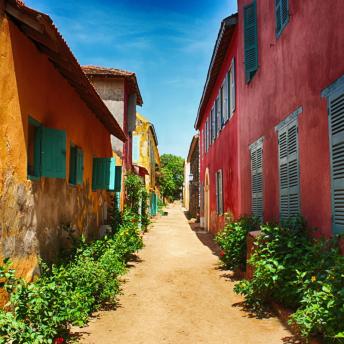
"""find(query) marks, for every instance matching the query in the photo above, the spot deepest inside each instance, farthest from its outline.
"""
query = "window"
(335, 106)
(256, 151)
(209, 135)
(103, 176)
(250, 40)
(289, 169)
(46, 151)
(76, 165)
(282, 15)
(219, 192)
(34, 149)
(136, 148)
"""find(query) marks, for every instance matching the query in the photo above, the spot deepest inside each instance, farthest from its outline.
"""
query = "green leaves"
(232, 240)
(302, 273)
(171, 176)
(67, 293)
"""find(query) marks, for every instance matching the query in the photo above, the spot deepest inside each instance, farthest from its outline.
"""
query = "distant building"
(56, 165)
(120, 92)
(146, 158)
(192, 183)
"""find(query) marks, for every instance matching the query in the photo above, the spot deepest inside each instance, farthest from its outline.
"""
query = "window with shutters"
(103, 175)
(34, 149)
(282, 15)
(256, 151)
(250, 40)
(219, 192)
(289, 170)
(336, 131)
(76, 165)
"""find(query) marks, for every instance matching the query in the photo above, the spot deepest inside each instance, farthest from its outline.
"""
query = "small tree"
(171, 176)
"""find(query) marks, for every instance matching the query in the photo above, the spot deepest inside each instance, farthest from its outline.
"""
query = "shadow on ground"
(206, 238)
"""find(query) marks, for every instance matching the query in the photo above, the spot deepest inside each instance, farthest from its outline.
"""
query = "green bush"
(304, 274)
(232, 241)
(66, 294)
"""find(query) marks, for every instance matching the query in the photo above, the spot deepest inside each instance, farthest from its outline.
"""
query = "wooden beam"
(23, 18)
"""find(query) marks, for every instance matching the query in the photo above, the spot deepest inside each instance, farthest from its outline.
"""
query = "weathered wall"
(149, 154)
(293, 70)
(112, 93)
(223, 153)
(186, 189)
(32, 213)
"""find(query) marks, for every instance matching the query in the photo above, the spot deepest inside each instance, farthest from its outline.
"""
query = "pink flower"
(59, 340)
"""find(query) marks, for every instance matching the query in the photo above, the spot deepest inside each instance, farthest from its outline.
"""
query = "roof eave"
(227, 24)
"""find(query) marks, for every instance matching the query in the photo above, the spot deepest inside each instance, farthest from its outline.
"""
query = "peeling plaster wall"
(33, 213)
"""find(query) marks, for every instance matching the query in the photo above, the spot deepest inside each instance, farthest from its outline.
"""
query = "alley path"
(177, 295)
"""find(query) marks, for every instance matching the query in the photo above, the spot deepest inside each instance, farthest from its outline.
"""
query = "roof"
(95, 71)
(223, 41)
(151, 127)
(193, 144)
(40, 29)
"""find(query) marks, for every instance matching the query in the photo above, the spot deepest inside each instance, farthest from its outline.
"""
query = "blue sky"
(168, 44)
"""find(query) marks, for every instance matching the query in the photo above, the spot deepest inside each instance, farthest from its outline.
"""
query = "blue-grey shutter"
(104, 174)
(217, 191)
(53, 149)
(232, 87)
(250, 40)
(289, 171)
(220, 192)
(257, 180)
(213, 119)
(336, 127)
(282, 14)
(218, 114)
(224, 93)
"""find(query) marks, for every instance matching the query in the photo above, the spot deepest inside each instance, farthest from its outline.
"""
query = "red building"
(285, 153)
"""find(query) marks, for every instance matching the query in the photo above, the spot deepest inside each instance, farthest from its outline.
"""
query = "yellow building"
(146, 157)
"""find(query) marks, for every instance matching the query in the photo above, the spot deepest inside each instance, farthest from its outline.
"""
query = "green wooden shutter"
(250, 40)
(336, 127)
(38, 152)
(103, 177)
(289, 171)
(53, 158)
(257, 180)
(72, 164)
(118, 180)
(79, 166)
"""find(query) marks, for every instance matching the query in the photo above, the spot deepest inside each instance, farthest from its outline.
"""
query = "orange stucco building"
(56, 170)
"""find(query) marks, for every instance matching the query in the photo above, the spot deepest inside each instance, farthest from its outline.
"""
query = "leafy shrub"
(232, 241)
(302, 273)
(67, 293)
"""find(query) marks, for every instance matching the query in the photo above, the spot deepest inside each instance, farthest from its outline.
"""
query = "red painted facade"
(293, 70)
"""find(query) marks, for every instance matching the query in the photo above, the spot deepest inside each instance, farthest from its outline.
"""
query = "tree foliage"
(171, 176)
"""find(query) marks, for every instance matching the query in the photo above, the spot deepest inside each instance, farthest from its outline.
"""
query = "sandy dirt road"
(177, 294)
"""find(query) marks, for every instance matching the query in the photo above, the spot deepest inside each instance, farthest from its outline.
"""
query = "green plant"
(66, 293)
(304, 274)
(232, 241)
